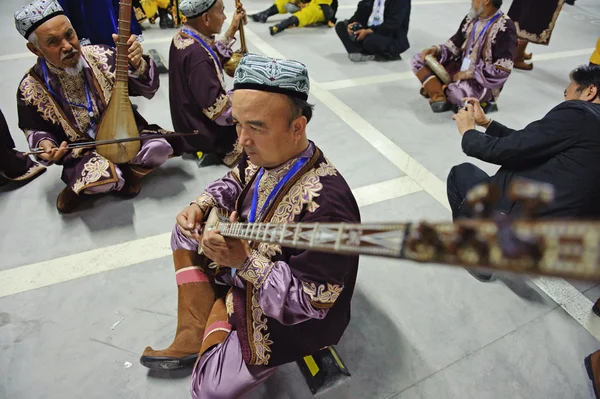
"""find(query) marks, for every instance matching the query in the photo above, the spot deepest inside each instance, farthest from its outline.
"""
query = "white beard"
(75, 70)
(473, 13)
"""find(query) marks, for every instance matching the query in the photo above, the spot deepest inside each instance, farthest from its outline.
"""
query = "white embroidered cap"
(195, 8)
(30, 17)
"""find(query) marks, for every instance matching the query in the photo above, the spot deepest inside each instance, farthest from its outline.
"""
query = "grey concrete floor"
(418, 331)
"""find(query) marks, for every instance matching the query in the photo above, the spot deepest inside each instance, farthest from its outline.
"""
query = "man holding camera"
(478, 58)
(377, 31)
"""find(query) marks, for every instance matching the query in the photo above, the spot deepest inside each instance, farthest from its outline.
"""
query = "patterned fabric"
(257, 72)
(535, 19)
(195, 8)
(28, 18)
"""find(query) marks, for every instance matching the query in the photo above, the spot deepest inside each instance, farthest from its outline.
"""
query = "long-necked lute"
(232, 63)
(118, 121)
(561, 248)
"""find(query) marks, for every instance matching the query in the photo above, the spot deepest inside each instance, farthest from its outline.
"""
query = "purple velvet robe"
(491, 58)
(42, 116)
(286, 303)
(198, 96)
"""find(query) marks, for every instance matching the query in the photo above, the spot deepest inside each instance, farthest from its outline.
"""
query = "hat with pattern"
(195, 8)
(257, 72)
(30, 17)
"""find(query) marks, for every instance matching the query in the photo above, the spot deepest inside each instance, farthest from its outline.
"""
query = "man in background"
(377, 30)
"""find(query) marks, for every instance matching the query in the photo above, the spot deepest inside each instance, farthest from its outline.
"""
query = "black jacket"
(396, 17)
(563, 149)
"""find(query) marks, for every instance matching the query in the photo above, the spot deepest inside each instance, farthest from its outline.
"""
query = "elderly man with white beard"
(62, 99)
(478, 58)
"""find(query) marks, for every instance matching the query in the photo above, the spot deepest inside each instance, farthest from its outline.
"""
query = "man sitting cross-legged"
(279, 304)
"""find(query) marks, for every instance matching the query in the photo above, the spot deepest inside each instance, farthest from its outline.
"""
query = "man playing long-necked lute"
(62, 99)
(245, 308)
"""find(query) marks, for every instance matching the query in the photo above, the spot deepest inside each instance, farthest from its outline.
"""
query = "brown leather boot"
(432, 87)
(67, 200)
(520, 57)
(133, 175)
(195, 300)
(592, 366)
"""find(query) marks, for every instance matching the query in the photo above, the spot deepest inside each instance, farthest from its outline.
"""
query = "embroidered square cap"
(28, 18)
(257, 72)
(195, 8)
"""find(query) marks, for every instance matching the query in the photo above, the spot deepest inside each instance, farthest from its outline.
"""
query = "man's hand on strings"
(189, 222)
(239, 18)
(135, 50)
(465, 119)
(225, 251)
(51, 152)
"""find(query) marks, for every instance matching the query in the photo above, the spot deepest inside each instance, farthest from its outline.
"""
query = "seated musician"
(562, 149)
(304, 13)
(377, 30)
(62, 99)
(197, 92)
(15, 165)
(279, 304)
(478, 58)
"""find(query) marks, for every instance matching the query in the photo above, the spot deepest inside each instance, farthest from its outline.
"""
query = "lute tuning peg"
(481, 198)
(531, 195)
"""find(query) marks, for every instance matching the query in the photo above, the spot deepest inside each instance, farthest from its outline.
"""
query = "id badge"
(466, 64)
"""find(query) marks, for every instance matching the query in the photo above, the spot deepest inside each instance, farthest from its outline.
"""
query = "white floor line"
(71, 267)
(366, 81)
(574, 303)
(386, 190)
(563, 54)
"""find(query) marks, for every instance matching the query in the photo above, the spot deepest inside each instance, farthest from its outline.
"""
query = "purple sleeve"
(223, 49)
(222, 193)
(493, 75)
(281, 294)
(144, 81)
(452, 48)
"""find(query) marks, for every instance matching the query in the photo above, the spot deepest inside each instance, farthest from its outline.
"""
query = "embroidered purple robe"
(535, 19)
(491, 58)
(287, 303)
(42, 116)
(198, 97)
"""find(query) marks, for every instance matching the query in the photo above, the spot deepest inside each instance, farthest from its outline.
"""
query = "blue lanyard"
(485, 28)
(297, 166)
(206, 46)
(89, 106)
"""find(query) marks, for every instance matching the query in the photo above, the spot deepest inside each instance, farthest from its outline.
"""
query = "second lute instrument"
(118, 121)
(231, 64)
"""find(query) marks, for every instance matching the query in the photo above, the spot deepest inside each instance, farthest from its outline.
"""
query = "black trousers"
(461, 179)
(373, 44)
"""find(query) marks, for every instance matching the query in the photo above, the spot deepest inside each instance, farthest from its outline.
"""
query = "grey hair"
(33, 39)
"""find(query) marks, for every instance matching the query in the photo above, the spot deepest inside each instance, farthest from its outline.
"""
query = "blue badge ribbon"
(89, 106)
(206, 46)
(485, 28)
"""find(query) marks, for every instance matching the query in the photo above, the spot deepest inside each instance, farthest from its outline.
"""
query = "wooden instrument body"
(118, 121)
(438, 69)
(232, 63)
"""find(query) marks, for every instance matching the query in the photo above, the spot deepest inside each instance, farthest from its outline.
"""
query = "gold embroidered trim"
(97, 59)
(93, 170)
(256, 269)
(232, 157)
(33, 93)
(322, 296)
(205, 201)
(229, 304)
(73, 89)
(544, 37)
(141, 70)
(182, 43)
(209, 41)
(260, 340)
(214, 111)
